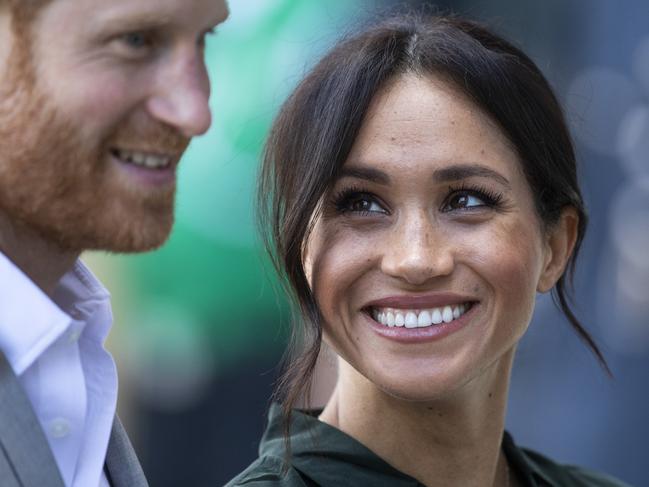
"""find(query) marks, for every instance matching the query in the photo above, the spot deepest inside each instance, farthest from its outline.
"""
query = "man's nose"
(180, 97)
(417, 250)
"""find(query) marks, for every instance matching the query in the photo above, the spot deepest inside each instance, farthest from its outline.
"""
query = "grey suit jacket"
(25, 457)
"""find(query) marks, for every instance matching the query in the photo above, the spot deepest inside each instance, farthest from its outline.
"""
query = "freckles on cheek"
(509, 260)
(338, 262)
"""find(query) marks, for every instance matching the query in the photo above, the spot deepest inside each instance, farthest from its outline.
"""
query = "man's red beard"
(63, 186)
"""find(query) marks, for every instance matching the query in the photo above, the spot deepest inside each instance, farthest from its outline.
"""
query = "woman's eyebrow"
(462, 171)
(448, 174)
(365, 173)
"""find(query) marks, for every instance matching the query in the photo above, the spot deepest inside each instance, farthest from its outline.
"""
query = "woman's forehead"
(420, 120)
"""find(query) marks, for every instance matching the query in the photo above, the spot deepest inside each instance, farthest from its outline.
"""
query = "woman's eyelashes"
(358, 201)
(471, 198)
(464, 198)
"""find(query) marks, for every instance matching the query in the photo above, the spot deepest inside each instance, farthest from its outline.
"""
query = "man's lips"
(146, 159)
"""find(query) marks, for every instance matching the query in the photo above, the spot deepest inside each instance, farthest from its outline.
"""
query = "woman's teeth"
(419, 318)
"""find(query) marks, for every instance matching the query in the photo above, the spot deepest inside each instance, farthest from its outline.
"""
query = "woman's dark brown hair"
(316, 127)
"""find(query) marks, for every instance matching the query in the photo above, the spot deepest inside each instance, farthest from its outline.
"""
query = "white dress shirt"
(55, 347)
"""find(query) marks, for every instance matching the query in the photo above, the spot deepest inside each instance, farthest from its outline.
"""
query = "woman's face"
(428, 253)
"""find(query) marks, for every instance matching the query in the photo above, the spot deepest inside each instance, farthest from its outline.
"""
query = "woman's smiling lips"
(416, 318)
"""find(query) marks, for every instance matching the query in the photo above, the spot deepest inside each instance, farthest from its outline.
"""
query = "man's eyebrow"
(151, 20)
(365, 173)
(138, 21)
(458, 172)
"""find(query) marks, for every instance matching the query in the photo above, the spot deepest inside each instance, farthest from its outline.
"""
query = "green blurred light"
(212, 267)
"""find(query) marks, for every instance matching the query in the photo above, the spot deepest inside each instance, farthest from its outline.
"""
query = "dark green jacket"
(326, 457)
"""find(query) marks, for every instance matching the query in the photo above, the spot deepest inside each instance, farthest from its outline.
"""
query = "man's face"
(98, 101)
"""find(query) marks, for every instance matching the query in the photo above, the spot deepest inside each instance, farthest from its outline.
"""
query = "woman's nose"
(417, 250)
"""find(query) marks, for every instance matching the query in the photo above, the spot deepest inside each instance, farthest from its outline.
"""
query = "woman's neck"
(455, 440)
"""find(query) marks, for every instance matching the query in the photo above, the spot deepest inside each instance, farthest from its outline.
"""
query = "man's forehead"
(199, 13)
(24, 10)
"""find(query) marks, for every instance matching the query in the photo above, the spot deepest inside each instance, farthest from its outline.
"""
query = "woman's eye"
(359, 203)
(365, 205)
(461, 201)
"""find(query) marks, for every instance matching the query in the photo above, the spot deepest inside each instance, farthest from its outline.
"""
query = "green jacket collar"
(324, 453)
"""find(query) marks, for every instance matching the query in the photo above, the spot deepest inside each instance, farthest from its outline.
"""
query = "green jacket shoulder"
(267, 471)
(568, 475)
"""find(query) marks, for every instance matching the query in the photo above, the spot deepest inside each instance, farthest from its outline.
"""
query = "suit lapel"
(21, 437)
(24, 446)
(122, 465)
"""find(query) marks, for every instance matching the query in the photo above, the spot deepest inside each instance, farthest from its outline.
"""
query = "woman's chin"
(421, 388)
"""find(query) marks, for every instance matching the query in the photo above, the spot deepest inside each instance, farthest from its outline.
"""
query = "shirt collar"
(30, 321)
(84, 299)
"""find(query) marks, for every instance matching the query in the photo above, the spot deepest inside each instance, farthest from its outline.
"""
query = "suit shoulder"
(268, 471)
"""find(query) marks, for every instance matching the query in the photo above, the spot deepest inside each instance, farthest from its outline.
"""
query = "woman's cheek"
(338, 258)
(508, 259)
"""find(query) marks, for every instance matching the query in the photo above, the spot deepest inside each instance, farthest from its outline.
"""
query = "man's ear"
(560, 241)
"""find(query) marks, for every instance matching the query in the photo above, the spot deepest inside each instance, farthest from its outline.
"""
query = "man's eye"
(137, 40)
(135, 45)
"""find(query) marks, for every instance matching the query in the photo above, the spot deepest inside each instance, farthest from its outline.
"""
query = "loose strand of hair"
(559, 293)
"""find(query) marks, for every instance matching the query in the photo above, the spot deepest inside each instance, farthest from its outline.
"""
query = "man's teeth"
(143, 159)
(419, 318)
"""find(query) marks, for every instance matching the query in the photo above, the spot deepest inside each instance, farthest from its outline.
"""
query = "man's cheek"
(91, 98)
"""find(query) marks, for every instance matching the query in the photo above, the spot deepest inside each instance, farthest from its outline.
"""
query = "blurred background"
(200, 327)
